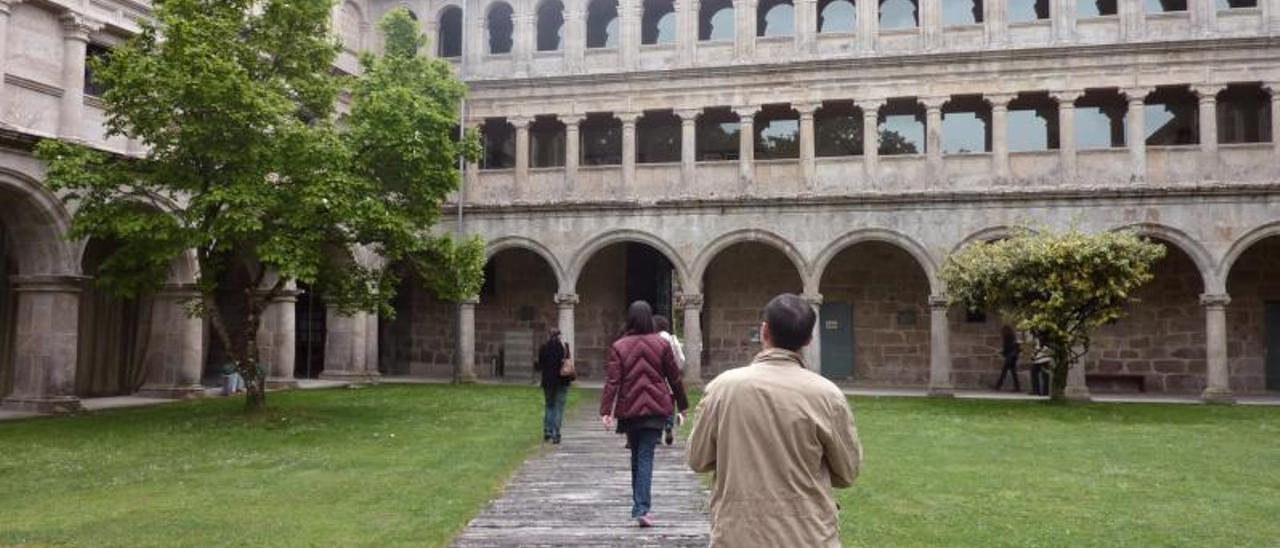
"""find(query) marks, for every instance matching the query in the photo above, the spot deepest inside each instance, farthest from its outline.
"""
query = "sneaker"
(670, 437)
(645, 521)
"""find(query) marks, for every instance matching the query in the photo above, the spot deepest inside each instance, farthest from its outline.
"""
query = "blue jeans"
(554, 416)
(643, 441)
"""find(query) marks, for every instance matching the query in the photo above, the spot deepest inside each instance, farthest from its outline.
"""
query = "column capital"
(814, 299)
(179, 291)
(999, 100)
(1066, 97)
(1136, 93)
(689, 300)
(1207, 92)
(806, 108)
(6, 5)
(48, 283)
(869, 107)
(566, 300)
(571, 119)
(1273, 88)
(629, 117)
(746, 111)
(1215, 300)
(77, 27)
(470, 301)
(687, 114)
(520, 122)
(939, 302)
(934, 102)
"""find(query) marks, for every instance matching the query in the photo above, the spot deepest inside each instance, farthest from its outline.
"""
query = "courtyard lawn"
(388, 465)
(988, 473)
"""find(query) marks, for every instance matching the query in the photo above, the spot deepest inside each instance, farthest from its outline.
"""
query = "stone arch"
(985, 235)
(729, 239)
(352, 13)
(1240, 246)
(38, 223)
(601, 241)
(902, 241)
(520, 242)
(449, 31)
(1199, 255)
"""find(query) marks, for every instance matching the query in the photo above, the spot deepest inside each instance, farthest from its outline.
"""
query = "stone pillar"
(688, 145)
(1208, 110)
(572, 140)
(371, 358)
(744, 30)
(175, 349)
(1136, 132)
(806, 21)
(4, 51)
(575, 37)
(522, 154)
(467, 340)
(45, 345)
(868, 21)
(474, 47)
(995, 24)
(1064, 18)
(344, 346)
(1000, 133)
(933, 134)
(629, 20)
(813, 352)
(931, 19)
(691, 304)
(75, 42)
(523, 41)
(565, 303)
(870, 136)
(684, 38)
(939, 347)
(1204, 16)
(1067, 129)
(746, 144)
(1133, 19)
(1274, 89)
(629, 149)
(1218, 387)
(277, 339)
(1077, 388)
(807, 161)
(1271, 21)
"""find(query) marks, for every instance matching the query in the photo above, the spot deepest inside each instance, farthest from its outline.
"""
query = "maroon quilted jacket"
(640, 369)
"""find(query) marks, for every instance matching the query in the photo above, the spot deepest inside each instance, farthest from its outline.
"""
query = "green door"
(836, 325)
(1273, 346)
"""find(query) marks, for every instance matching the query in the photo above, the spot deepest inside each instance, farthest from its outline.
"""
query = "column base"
(282, 383)
(1077, 393)
(942, 392)
(467, 378)
(54, 405)
(358, 377)
(1218, 396)
(170, 392)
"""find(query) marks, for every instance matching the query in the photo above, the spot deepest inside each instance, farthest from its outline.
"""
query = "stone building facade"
(708, 154)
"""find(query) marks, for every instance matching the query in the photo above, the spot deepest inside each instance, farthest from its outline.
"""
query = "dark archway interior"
(8, 309)
(613, 278)
(1253, 318)
(310, 327)
(114, 334)
(737, 284)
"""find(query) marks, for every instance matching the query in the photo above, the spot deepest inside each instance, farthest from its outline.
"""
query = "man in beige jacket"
(778, 438)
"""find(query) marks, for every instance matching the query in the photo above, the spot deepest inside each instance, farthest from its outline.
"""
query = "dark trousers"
(1039, 380)
(554, 415)
(642, 442)
(1010, 368)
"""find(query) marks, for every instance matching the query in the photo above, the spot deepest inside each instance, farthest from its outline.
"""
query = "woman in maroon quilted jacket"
(636, 397)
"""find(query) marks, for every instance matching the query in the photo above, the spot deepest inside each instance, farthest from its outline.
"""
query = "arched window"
(350, 23)
(777, 129)
(500, 28)
(499, 139)
(602, 24)
(550, 25)
(837, 16)
(775, 18)
(658, 25)
(658, 137)
(715, 20)
(899, 14)
(449, 37)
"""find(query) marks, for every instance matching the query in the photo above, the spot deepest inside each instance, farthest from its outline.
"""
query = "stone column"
(1274, 89)
(522, 153)
(45, 345)
(371, 340)
(75, 42)
(572, 139)
(565, 303)
(1271, 21)
(1000, 133)
(575, 34)
(629, 20)
(524, 41)
(870, 136)
(1204, 16)
(931, 19)
(813, 352)
(744, 30)
(473, 43)
(1218, 387)
(175, 349)
(807, 153)
(933, 134)
(806, 21)
(688, 145)
(691, 304)
(1133, 19)
(1136, 132)
(277, 339)
(995, 23)
(4, 42)
(467, 340)
(1064, 21)
(1077, 389)
(1067, 129)
(939, 347)
(868, 26)
(746, 144)
(344, 346)
(1208, 110)
(629, 149)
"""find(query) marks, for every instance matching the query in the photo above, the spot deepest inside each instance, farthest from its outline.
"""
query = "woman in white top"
(664, 331)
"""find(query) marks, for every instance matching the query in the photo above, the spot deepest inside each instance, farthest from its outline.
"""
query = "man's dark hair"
(640, 319)
(661, 323)
(790, 321)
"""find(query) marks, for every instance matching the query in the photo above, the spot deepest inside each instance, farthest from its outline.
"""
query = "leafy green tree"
(248, 165)
(1058, 286)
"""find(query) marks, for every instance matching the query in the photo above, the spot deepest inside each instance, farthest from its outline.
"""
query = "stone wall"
(889, 294)
(736, 286)
(420, 340)
(1253, 281)
(513, 318)
(601, 309)
(975, 349)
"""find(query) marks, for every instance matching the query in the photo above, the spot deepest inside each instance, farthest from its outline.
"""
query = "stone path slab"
(579, 494)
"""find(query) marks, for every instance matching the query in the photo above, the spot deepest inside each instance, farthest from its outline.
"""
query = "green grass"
(391, 465)
(984, 473)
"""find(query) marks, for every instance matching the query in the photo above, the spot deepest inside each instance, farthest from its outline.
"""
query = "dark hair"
(1007, 335)
(640, 319)
(661, 323)
(553, 335)
(790, 320)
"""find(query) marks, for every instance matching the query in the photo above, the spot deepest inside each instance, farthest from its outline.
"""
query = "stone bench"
(1108, 382)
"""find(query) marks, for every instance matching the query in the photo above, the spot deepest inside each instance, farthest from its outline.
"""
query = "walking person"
(1010, 348)
(664, 331)
(552, 358)
(637, 399)
(778, 438)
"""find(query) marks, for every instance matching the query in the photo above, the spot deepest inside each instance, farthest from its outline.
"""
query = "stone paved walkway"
(579, 494)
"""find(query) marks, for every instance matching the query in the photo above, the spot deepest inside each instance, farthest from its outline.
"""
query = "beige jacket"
(778, 438)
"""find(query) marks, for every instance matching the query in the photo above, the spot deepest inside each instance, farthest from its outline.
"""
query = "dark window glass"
(601, 140)
(449, 43)
(1244, 114)
(658, 138)
(499, 138)
(546, 142)
(500, 28)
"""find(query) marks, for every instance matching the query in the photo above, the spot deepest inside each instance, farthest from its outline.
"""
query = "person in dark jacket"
(1009, 349)
(555, 388)
(641, 378)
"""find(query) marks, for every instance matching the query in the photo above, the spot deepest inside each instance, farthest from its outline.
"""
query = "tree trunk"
(255, 397)
(1061, 368)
